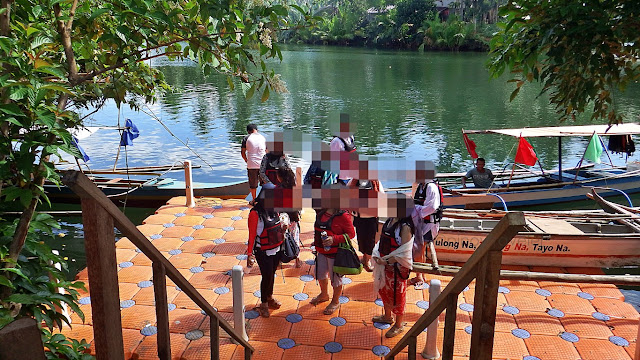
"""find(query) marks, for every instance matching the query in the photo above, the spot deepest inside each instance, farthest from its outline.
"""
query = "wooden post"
(449, 327)
(99, 239)
(162, 311)
(412, 347)
(485, 302)
(214, 337)
(187, 182)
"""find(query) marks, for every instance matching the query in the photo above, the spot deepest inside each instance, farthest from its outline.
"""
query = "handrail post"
(430, 350)
(413, 344)
(214, 337)
(162, 310)
(188, 183)
(238, 301)
(99, 238)
(484, 309)
(450, 327)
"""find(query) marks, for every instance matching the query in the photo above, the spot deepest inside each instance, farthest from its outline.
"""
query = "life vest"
(349, 146)
(421, 195)
(388, 240)
(273, 164)
(272, 234)
(320, 226)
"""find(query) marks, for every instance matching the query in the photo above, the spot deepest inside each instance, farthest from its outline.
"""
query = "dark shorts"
(366, 229)
(254, 175)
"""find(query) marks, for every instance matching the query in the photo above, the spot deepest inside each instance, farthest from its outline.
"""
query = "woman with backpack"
(393, 263)
(266, 235)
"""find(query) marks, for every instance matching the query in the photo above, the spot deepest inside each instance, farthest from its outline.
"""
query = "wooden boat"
(151, 193)
(550, 186)
(568, 239)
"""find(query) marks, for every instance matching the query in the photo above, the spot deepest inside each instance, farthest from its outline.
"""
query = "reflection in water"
(405, 104)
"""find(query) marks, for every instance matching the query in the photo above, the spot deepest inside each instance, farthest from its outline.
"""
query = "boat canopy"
(562, 131)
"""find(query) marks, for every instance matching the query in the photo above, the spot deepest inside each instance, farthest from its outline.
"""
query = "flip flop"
(394, 331)
(331, 308)
(317, 300)
(382, 320)
(416, 282)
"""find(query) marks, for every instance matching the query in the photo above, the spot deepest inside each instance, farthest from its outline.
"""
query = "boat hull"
(534, 249)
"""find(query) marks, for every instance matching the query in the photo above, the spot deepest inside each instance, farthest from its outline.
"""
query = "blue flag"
(130, 132)
(85, 157)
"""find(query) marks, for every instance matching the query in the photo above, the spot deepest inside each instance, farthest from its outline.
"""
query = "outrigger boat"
(563, 238)
(553, 186)
(151, 193)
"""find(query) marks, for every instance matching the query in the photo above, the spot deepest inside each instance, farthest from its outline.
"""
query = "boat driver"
(482, 178)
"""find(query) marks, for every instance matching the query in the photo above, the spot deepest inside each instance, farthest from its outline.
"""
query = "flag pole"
(582, 158)
(606, 151)
(513, 169)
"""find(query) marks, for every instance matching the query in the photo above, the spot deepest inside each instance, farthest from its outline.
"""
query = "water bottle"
(323, 236)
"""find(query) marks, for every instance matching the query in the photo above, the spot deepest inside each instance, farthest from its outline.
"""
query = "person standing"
(428, 200)
(253, 148)
(272, 161)
(365, 220)
(343, 148)
(482, 178)
(266, 235)
(331, 227)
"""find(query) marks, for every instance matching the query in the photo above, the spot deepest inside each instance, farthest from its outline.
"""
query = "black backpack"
(290, 248)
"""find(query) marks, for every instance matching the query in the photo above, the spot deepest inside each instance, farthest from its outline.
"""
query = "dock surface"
(535, 320)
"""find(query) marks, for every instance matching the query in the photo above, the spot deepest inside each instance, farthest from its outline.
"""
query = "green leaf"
(57, 87)
(11, 109)
(265, 94)
(249, 93)
(5, 282)
(24, 299)
(514, 93)
(96, 13)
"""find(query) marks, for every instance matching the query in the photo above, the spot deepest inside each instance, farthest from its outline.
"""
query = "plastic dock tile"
(237, 235)
(358, 336)
(290, 285)
(312, 312)
(551, 348)
(131, 339)
(262, 351)
(538, 323)
(196, 246)
(206, 233)
(269, 329)
(527, 300)
(138, 316)
(148, 348)
(149, 230)
(521, 285)
(602, 290)
(201, 350)
(289, 304)
(218, 223)
(357, 311)
(146, 296)
(182, 301)
(186, 260)
(362, 291)
(354, 354)
(585, 326)
(209, 280)
(627, 328)
(571, 304)
(135, 274)
(615, 307)
(221, 262)
(176, 231)
(185, 320)
(166, 243)
(600, 349)
(189, 220)
(312, 332)
(306, 352)
(159, 219)
(507, 346)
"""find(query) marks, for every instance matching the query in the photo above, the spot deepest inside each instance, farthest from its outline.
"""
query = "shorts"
(254, 176)
(324, 269)
(366, 229)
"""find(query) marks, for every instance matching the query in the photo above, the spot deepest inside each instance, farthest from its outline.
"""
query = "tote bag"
(346, 261)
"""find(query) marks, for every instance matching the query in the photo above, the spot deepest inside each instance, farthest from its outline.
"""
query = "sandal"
(416, 282)
(331, 308)
(394, 331)
(263, 310)
(274, 304)
(317, 300)
(382, 320)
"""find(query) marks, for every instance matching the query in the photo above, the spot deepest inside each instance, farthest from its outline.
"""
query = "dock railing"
(99, 215)
(484, 266)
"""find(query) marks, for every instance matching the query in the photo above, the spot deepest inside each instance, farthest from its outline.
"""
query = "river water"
(405, 104)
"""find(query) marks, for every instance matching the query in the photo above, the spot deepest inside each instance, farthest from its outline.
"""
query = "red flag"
(471, 146)
(525, 154)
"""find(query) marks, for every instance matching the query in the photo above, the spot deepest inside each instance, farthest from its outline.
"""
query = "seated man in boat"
(482, 178)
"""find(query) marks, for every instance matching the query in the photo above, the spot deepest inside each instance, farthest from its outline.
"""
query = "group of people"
(410, 225)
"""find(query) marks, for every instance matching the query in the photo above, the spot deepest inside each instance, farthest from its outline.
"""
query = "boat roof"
(562, 131)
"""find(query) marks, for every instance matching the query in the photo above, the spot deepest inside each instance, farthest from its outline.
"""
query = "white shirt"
(256, 146)
(336, 145)
(431, 204)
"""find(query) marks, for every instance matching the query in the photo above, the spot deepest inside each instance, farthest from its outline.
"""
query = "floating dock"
(535, 320)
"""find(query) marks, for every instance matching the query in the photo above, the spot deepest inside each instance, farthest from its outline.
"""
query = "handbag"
(347, 261)
(290, 248)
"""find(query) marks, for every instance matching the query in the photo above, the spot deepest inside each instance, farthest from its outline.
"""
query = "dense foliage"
(583, 52)
(58, 58)
(464, 25)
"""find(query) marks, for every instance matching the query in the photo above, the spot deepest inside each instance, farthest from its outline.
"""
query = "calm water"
(406, 104)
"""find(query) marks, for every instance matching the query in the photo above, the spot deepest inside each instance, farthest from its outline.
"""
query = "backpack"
(290, 248)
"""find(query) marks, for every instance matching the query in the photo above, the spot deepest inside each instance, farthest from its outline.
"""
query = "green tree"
(582, 52)
(60, 57)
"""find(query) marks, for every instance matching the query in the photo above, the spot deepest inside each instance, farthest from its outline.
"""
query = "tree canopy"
(582, 52)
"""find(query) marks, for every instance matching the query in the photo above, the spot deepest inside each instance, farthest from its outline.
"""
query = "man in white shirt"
(342, 145)
(254, 146)
(428, 198)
